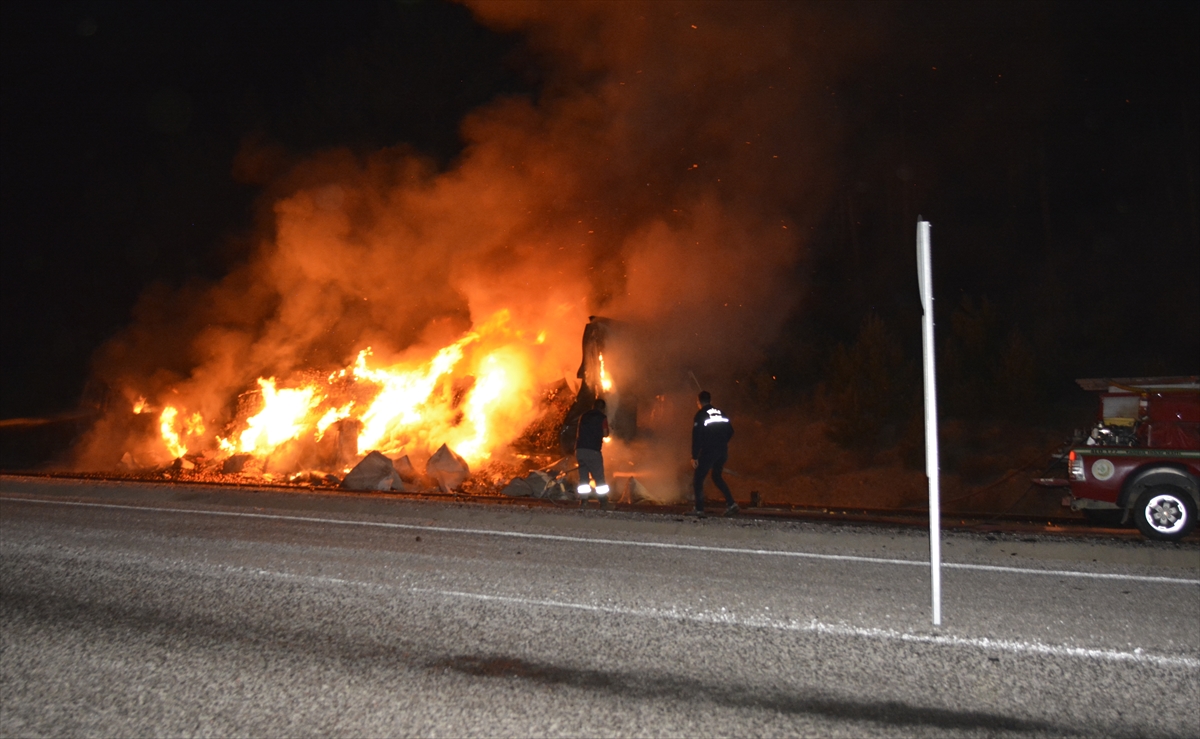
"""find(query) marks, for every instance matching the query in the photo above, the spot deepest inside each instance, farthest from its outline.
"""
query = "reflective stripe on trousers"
(591, 464)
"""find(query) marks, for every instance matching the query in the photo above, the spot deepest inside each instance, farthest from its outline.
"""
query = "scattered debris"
(532, 485)
(542, 436)
(235, 464)
(404, 467)
(449, 469)
(314, 477)
(374, 472)
(636, 492)
(348, 430)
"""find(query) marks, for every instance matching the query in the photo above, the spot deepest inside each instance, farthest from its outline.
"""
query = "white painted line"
(984, 643)
(618, 542)
(814, 626)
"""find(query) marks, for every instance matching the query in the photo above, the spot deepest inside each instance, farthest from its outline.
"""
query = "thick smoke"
(667, 176)
(685, 136)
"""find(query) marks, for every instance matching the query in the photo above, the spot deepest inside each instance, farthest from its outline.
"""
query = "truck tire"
(1165, 513)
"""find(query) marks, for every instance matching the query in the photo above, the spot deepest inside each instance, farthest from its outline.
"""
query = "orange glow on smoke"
(393, 250)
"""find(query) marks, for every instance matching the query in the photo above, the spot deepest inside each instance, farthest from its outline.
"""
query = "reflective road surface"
(136, 609)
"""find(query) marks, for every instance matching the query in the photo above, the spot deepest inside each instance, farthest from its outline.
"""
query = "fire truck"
(1141, 459)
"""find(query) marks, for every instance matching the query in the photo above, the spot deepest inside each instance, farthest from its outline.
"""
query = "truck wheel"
(1165, 513)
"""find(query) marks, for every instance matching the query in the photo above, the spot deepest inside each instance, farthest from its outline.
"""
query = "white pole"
(925, 279)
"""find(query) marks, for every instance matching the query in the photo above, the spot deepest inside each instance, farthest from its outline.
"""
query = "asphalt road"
(132, 610)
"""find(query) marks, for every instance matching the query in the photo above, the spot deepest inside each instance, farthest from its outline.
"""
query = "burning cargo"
(474, 403)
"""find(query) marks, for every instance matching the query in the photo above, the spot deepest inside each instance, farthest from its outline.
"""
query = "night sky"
(1053, 146)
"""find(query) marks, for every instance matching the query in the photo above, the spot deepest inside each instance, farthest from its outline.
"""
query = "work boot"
(695, 514)
(604, 502)
(732, 511)
(583, 502)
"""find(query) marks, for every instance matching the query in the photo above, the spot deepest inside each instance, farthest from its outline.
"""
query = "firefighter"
(711, 432)
(593, 430)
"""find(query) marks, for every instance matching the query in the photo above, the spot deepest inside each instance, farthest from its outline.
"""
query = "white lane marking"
(814, 626)
(618, 542)
(725, 617)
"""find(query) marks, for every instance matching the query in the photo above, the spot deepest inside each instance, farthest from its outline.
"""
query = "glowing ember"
(139, 406)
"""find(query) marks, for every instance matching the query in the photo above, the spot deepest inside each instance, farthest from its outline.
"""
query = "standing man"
(593, 429)
(711, 432)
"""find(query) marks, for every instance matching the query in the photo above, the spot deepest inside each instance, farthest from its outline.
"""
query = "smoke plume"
(667, 175)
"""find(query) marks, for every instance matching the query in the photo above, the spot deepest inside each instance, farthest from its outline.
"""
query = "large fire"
(389, 302)
(475, 395)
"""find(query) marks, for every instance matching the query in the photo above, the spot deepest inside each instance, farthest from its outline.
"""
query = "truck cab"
(1141, 458)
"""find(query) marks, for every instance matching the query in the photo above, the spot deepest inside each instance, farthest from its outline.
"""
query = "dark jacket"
(593, 427)
(711, 431)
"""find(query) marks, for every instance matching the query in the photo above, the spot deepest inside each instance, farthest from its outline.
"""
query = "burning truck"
(1141, 459)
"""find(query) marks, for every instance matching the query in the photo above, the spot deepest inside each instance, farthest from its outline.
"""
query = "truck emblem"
(1102, 469)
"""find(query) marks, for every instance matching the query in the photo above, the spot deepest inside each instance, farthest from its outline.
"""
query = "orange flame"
(474, 394)
(497, 388)
(281, 419)
(332, 416)
(606, 383)
(166, 425)
(401, 402)
(173, 438)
